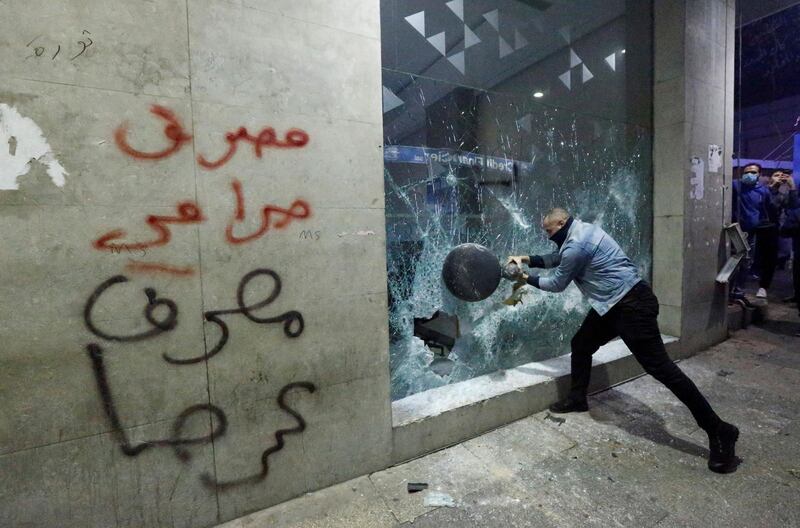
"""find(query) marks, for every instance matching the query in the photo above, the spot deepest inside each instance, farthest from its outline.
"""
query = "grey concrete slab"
(241, 73)
(349, 430)
(90, 482)
(667, 236)
(42, 41)
(500, 504)
(669, 40)
(519, 445)
(354, 16)
(455, 471)
(669, 186)
(354, 503)
(571, 488)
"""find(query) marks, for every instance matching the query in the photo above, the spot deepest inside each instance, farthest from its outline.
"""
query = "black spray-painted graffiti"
(293, 326)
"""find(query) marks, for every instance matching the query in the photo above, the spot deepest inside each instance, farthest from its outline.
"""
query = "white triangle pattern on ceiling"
(457, 7)
(519, 40)
(457, 60)
(587, 75)
(417, 21)
(505, 48)
(438, 42)
(566, 78)
(390, 100)
(470, 38)
(493, 18)
(612, 61)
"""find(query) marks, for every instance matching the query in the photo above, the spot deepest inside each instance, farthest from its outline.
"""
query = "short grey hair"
(556, 214)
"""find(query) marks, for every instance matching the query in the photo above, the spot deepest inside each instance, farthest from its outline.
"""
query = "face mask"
(750, 178)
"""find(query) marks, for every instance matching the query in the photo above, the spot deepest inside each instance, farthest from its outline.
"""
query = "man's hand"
(519, 261)
(513, 272)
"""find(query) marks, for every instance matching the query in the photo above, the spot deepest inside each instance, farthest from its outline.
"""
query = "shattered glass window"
(494, 112)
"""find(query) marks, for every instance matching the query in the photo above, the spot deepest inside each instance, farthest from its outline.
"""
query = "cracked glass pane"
(495, 112)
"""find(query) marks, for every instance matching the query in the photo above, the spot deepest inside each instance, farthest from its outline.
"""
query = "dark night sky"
(770, 58)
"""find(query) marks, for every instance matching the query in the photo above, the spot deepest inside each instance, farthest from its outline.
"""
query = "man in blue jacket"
(751, 208)
(622, 305)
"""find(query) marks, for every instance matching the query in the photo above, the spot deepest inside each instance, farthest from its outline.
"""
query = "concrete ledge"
(440, 417)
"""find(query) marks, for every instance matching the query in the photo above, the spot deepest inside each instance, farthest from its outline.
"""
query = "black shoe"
(569, 405)
(722, 449)
(792, 299)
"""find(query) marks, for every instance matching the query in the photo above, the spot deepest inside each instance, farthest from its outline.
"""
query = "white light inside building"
(538, 95)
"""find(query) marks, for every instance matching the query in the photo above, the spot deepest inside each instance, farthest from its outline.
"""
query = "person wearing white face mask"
(751, 201)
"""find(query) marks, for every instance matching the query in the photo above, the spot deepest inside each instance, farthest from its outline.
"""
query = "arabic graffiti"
(136, 266)
(295, 138)
(96, 354)
(293, 323)
(175, 133)
(293, 326)
(187, 213)
(38, 51)
(211, 482)
(298, 210)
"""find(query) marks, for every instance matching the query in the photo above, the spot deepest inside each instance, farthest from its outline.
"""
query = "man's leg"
(796, 267)
(768, 239)
(595, 332)
(638, 327)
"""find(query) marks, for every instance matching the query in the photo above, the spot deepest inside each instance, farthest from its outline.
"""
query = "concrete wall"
(693, 108)
(128, 438)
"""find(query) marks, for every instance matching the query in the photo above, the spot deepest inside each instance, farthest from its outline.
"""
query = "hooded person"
(622, 305)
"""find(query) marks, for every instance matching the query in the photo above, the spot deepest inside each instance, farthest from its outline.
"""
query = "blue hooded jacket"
(750, 205)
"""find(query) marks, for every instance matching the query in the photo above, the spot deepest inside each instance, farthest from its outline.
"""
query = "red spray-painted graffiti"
(294, 138)
(188, 213)
(174, 131)
(137, 266)
(298, 210)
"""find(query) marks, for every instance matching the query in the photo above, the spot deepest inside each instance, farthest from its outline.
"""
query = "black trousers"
(796, 264)
(634, 320)
(766, 255)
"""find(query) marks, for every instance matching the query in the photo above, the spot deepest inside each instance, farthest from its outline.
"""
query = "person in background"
(782, 195)
(790, 227)
(750, 208)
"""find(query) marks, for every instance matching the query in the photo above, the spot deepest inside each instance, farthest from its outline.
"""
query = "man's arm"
(571, 263)
(545, 261)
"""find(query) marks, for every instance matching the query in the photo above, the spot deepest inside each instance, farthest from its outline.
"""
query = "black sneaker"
(790, 300)
(722, 449)
(569, 405)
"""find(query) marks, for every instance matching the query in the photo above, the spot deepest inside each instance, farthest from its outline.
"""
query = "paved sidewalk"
(635, 459)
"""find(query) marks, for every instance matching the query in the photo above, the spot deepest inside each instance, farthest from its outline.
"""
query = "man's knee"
(581, 346)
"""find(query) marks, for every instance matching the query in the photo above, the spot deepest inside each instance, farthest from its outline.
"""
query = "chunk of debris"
(724, 373)
(414, 487)
(555, 419)
(436, 499)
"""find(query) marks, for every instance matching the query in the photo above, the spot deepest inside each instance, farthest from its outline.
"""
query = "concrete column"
(693, 108)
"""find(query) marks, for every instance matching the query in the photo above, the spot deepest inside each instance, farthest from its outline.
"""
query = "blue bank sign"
(424, 156)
